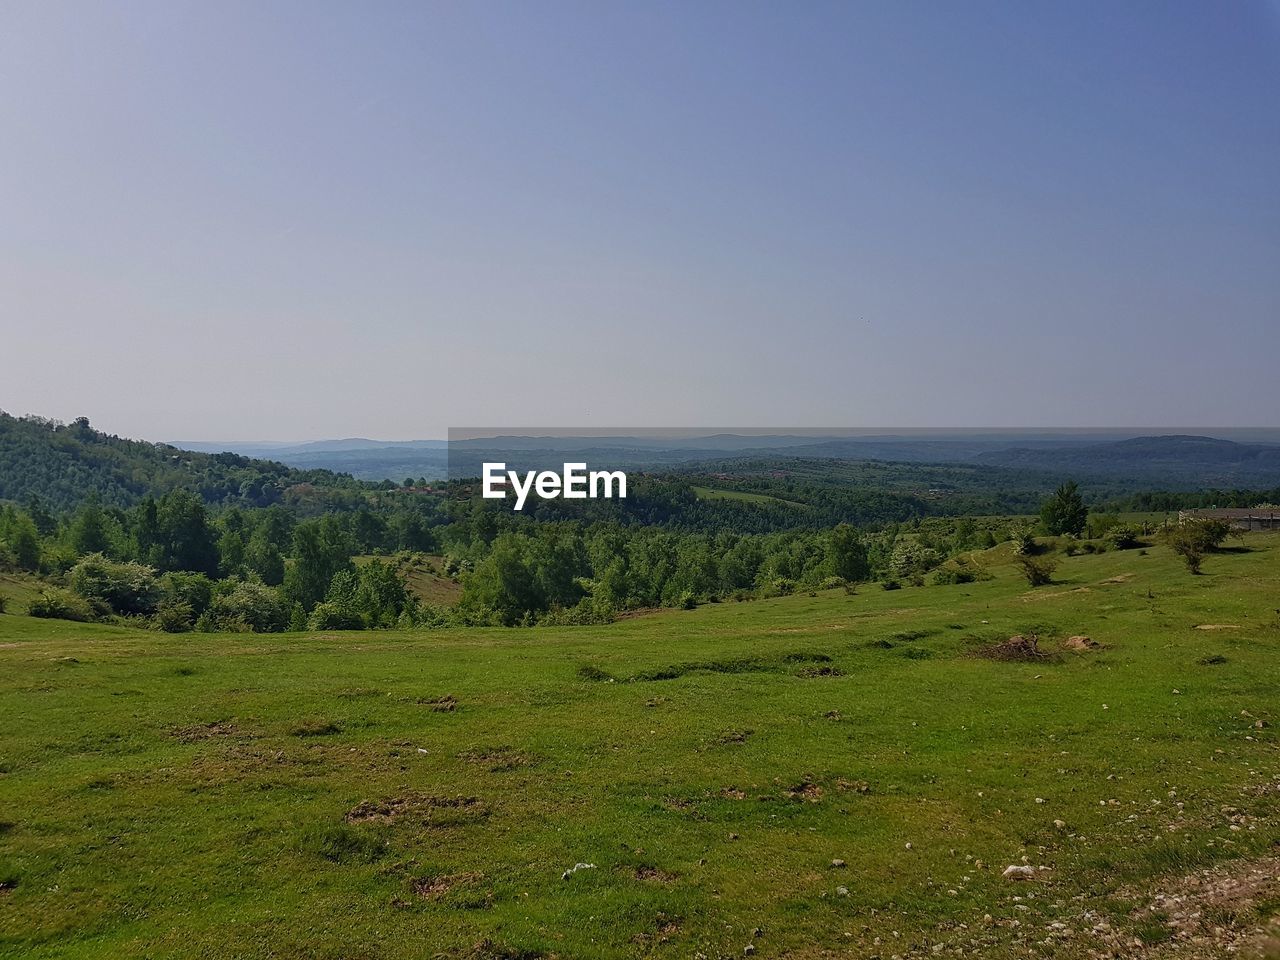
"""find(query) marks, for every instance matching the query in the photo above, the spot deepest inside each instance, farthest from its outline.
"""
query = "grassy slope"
(716, 493)
(132, 832)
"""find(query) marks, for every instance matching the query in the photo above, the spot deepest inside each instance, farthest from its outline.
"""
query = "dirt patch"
(433, 888)
(732, 793)
(1217, 626)
(652, 874)
(1118, 578)
(1217, 911)
(734, 736)
(206, 731)
(825, 670)
(1080, 644)
(852, 786)
(419, 808)
(665, 928)
(1018, 648)
(807, 791)
(1050, 594)
(445, 704)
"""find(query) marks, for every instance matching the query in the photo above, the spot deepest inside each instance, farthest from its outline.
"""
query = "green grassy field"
(388, 795)
(744, 496)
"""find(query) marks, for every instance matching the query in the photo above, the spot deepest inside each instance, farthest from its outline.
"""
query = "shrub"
(1192, 539)
(1037, 570)
(242, 605)
(175, 616)
(891, 585)
(587, 612)
(833, 583)
(127, 588)
(954, 575)
(193, 589)
(334, 615)
(1124, 536)
(1024, 544)
(53, 603)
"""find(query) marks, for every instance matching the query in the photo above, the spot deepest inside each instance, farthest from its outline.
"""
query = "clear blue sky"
(299, 220)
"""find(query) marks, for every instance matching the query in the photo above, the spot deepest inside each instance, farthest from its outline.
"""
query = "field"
(807, 776)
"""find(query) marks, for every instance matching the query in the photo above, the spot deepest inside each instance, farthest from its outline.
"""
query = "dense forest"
(113, 528)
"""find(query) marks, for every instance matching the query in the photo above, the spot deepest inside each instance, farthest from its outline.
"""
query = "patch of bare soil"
(445, 704)
(1080, 644)
(1217, 626)
(664, 928)
(1219, 911)
(205, 731)
(433, 888)
(653, 874)
(806, 790)
(1016, 648)
(1050, 594)
(734, 736)
(826, 670)
(420, 808)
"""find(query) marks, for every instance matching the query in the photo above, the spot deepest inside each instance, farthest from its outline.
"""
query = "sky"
(291, 221)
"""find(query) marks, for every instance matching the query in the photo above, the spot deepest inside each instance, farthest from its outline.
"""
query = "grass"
(746, 496)
(389, 795)
(424, 576)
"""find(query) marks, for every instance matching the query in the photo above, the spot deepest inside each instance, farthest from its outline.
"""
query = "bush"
(891, 585)
(587, 612)
(953, 575)
(242, 605)
(1192, 539)
(55, 604)
(334, 615)
(833, 583)
(193, 589)
(1024, 544)
(175, 616)
(1124, 536)
(1037, 570)
(126, 588)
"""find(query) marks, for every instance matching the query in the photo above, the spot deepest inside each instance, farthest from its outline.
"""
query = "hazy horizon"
(319, 220)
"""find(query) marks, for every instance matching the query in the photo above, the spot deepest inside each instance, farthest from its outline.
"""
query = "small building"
(1240, 518)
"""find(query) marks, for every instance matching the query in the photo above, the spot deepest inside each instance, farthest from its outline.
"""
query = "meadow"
(824, 774)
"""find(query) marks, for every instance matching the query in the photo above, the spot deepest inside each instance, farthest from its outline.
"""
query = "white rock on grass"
(1019, 871)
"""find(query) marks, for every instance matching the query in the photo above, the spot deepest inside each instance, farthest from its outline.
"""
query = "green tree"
(321, 550)
(847, 555)
(1064, 512)
(24, 541)
(90, 530)
(186, 539)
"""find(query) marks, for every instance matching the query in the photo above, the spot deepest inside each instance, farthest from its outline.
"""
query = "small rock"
(733, 836)
(749, 949)
(842, 891)
(1060, 824)
(837, 863)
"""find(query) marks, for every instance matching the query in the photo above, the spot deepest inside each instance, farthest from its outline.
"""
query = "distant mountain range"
(1224, 458)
